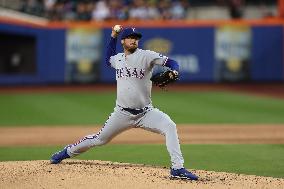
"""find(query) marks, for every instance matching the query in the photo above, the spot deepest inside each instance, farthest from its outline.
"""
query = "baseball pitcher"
(134, 108)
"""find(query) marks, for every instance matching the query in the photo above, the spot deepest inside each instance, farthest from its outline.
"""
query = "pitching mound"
(97, 174)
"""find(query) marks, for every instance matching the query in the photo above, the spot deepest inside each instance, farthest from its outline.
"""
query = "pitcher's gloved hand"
(162, 79)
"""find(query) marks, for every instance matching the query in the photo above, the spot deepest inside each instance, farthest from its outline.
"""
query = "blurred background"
(55, 87)
(215, 41)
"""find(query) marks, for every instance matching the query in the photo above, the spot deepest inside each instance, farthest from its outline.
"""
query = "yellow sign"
(161, 45)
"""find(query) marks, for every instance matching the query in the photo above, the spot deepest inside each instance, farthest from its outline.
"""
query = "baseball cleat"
(59, 156)
(182, 174)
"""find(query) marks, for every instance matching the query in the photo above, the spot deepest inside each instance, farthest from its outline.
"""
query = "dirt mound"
(97, 174)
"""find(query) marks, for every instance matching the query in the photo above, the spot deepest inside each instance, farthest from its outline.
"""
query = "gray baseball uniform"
(134, 106)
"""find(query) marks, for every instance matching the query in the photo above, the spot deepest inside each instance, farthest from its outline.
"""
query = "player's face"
(130, 43)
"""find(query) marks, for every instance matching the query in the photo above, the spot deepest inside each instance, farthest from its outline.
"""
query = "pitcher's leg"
(116, 124)
(159, 122)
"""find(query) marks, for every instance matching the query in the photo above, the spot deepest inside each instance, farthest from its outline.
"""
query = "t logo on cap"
(130, 32)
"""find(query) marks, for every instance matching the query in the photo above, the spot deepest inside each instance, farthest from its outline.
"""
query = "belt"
(135, 111)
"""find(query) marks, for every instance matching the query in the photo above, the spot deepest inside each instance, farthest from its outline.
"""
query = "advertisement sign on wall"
(233, 53)
(192, 48)
(83, 54)
(188, 63)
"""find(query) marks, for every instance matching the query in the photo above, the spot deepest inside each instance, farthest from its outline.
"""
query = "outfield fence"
(207, 51)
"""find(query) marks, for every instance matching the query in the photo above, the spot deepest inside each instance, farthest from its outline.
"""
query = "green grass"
(55, 109)
(263, 160)
(94, 108)
(220, 107)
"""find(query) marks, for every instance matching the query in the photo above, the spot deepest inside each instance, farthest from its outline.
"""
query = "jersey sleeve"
(112, 62)
(156, 58)
(110, 52)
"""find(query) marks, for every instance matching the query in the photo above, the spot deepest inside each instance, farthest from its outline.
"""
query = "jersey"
(133, 73)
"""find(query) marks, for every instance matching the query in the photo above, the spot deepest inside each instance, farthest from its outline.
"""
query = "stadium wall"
(231, 51)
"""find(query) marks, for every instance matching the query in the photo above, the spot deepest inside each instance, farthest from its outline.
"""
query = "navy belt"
(135, 111)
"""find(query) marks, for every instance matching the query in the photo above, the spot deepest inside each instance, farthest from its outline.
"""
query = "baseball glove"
(162, 79)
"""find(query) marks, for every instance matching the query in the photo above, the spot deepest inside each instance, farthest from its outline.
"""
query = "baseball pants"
(152, 120)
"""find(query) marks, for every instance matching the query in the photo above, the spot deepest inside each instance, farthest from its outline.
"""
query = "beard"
(132, 50)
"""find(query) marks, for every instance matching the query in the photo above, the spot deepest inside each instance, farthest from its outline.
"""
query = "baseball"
(117, 28)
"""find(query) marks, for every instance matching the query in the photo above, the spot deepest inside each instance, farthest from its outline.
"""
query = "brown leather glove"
(162, 79)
